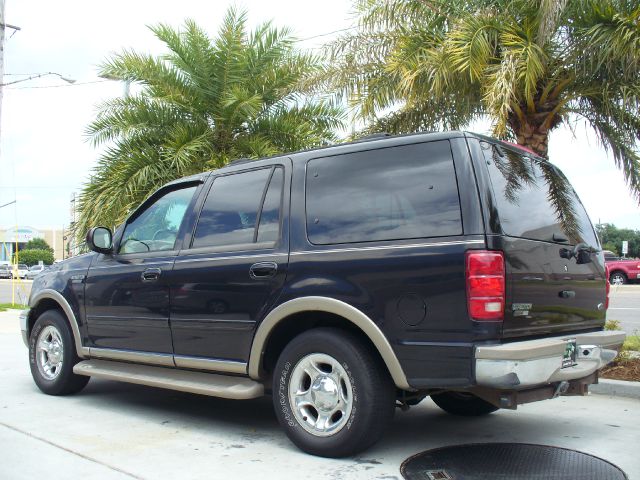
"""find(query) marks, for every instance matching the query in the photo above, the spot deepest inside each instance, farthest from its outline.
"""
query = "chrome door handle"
(567, 294)
(263, 270)
(151, 274)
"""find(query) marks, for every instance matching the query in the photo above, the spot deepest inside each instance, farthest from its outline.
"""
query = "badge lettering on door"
(521, 309)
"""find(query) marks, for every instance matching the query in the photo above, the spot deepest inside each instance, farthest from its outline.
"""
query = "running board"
(215, 385)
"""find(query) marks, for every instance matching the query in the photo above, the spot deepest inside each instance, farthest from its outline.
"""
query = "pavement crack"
(73, 452)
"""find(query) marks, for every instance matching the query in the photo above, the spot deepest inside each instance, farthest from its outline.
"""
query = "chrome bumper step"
(214, 385)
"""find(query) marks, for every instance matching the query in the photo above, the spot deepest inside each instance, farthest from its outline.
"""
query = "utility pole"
(2, 29)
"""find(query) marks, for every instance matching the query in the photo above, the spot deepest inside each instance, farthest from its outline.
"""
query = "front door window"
(156, 228)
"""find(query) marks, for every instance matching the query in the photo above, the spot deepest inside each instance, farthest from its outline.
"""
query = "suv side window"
(232, 213)
(156, 228)
(403, 192)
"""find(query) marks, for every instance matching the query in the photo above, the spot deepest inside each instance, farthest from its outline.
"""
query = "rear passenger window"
(534, 199)
(231, 211)
(392, 193)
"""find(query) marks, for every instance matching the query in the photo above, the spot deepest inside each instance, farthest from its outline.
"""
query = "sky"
(44, 154)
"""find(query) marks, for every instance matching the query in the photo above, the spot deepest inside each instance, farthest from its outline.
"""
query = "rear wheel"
(617, 278)
(331, 394)
(52, 356)
(463, 403)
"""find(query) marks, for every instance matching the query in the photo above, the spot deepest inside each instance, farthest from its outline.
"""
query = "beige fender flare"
(329, 305)
(83, 352)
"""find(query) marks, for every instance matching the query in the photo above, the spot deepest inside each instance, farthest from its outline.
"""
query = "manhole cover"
(507, 461)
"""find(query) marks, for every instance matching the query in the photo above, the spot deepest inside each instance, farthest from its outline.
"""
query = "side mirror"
(100, 239)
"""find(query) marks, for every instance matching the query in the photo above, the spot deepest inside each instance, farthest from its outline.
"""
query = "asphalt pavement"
(120, 431)
(624, 306)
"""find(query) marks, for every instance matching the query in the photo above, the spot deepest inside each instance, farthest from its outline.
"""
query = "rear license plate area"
(570, 351)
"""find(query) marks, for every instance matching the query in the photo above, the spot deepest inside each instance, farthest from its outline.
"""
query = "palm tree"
(528, 65)
(204, 103)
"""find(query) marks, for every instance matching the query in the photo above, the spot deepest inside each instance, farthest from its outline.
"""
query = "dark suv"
(344, 281)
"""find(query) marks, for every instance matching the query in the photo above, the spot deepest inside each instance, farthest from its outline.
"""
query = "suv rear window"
(393, 193)
(534, 199)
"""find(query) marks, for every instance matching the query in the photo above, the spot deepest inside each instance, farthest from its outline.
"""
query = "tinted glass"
(269, 228)
(231, 209)
(392, 193)
(535, 200)
(157, 227)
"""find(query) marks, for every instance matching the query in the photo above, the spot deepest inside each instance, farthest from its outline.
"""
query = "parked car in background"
(623, 271)
(36, 270)
(609, 255)
(5, 271)
(345, 281)
(19, 271)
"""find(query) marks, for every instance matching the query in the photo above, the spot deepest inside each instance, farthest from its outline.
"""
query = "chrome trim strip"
(164, 359)
(198, 363)
(389, 247)
(132, 265)
(329, 305)
(230, 257)
(83, 352)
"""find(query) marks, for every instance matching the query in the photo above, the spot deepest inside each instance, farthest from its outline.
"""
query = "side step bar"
(224, 386)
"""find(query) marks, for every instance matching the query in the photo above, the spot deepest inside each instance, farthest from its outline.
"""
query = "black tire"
(65, 382)
(618, 278)
(463, 404)
(371, 391)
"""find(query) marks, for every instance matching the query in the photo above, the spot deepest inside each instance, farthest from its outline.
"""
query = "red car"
(621, 271)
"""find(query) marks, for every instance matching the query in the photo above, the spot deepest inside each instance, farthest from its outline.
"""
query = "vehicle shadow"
(421, 428)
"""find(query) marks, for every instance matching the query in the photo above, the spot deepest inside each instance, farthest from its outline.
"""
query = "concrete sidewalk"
(115, 431)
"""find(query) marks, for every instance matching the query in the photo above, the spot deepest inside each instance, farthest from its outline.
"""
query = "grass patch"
(631, 344)
(6, 306)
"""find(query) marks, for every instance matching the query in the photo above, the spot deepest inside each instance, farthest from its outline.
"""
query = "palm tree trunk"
(534, 137)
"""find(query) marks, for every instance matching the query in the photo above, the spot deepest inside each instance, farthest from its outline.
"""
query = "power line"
(58, 86)
(328, 33)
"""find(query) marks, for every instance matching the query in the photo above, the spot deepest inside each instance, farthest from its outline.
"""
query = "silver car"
(19, 271)
(5, 271)
(35, 270)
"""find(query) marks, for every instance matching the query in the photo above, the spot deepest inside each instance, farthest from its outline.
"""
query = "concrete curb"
(616, 388)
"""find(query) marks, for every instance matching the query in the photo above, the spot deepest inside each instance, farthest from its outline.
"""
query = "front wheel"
(463, 403)
(617, 278)
(331, 394)
(52, 356)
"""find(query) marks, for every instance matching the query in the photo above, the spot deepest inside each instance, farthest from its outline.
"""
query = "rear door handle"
(567, 294)
(151, 274)
(263, 270)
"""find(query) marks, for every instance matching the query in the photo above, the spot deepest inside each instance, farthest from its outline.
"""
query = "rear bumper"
(529, 363)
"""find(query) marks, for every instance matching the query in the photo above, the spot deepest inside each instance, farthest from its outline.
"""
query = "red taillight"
(606, 274)
(485, 285)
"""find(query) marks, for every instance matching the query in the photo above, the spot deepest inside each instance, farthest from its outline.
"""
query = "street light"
(66, 79)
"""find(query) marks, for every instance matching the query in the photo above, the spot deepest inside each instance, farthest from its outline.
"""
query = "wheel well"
(41, 307)
(617, 271)
(293, 325)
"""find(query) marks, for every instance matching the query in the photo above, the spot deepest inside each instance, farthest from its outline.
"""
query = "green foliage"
(6, 306)
(202, 104)
(611, 238)
(632, 344)
(32, 257)
(529, 65)
(612, 325)
(37, 244)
